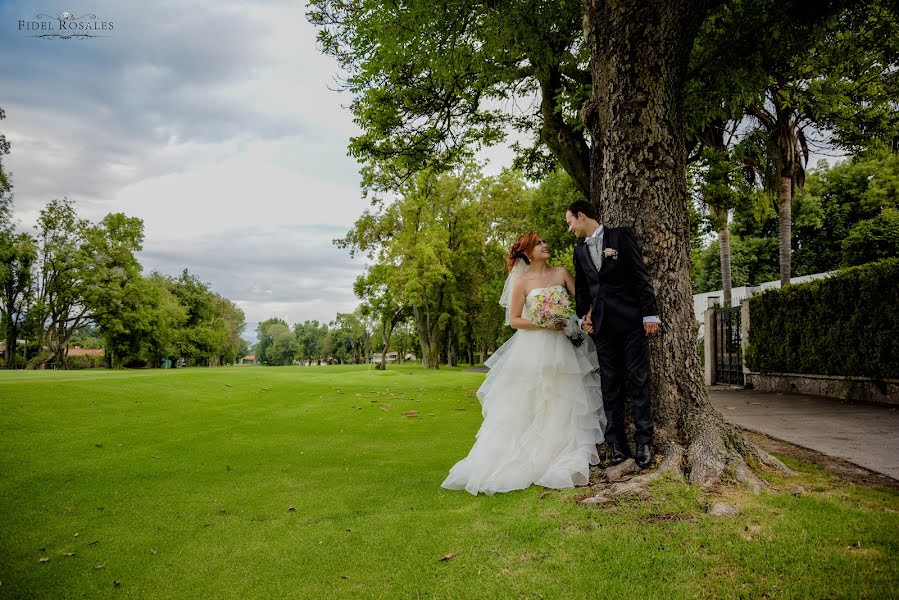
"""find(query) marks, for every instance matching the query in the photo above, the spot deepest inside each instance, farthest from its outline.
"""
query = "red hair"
(522, 247)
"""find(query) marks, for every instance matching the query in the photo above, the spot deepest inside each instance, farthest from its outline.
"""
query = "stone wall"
(862, 389)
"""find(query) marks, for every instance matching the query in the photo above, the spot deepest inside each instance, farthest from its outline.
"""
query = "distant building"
(250, 359)
(89, 352)
(391, 357)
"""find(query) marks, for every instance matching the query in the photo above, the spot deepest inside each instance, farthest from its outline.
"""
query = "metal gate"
(728, 350)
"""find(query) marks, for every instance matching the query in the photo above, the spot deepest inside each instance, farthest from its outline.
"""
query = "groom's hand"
(587, 324)
(651, 328)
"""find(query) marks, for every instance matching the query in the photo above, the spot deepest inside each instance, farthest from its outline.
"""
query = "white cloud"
(214, 124)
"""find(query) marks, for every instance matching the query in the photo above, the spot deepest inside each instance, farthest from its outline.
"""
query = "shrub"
(844, 325)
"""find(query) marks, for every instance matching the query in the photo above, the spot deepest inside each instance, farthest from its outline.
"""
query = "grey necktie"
(593, 245)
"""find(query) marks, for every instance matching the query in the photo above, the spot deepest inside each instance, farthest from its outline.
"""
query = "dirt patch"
(835, 466)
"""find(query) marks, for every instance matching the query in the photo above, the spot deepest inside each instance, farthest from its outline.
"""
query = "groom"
(615, 298)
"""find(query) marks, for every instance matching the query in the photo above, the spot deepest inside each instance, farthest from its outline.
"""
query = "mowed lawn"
(310, 482)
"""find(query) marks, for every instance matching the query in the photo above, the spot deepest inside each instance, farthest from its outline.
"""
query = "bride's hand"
(558, 326)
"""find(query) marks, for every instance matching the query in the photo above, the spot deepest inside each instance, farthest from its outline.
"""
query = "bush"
(845, 325)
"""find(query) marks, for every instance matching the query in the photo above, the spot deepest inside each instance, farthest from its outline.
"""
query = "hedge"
(847, 325)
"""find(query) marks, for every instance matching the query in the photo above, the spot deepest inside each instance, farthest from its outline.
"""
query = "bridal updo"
(522, 248)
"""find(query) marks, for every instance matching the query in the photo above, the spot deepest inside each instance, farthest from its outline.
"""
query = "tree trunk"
(386, 333)
(784, 217)
(427, 335)
(11, 335)
(724, 243)
(639, 54)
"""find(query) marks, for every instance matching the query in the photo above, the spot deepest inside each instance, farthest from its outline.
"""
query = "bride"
(542, 403)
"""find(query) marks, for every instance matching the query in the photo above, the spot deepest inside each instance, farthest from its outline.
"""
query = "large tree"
(17, 255)
(427, 79)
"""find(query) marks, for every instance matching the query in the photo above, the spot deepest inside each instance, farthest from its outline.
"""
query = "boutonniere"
(610, 253)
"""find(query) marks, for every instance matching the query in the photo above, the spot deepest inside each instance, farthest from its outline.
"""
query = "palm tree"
(717, 192)
(778, 159)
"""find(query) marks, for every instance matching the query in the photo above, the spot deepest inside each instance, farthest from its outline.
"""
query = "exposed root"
(770, 461)
(672, 464)
(745, 476)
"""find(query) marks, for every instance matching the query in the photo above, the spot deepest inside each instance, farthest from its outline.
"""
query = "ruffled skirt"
(543, 417)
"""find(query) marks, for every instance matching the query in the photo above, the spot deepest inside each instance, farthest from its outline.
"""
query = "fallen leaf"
(460, 408)
(99, 567)
(756, 403)
(411, 414)
(117, 584)
(222, 510)
(344, 576)
(291, 509)
(228, 385)
(449, 556)
(68, 553)
(99, 508)
(98, 445)
(431, 415)
(157, 457)
(43, 559)
(153, 551)
(384, 408)
(94, 542)
(68, 509)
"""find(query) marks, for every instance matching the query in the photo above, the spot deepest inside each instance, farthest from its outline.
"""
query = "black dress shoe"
(644, 456)
(619, 454)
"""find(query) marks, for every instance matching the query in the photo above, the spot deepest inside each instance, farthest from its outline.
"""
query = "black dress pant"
(624, 365)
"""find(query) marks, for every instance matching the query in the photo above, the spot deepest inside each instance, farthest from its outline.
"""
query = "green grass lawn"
(179, 484)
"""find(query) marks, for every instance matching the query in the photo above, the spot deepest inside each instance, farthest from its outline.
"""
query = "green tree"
(421, 78)
(17, 257)
(839, 76)
(5, 183)
(63, 280)
(873, 239)
(433, 240)
(381, 299)
(265, 338)
(310, 339)
(836, 199)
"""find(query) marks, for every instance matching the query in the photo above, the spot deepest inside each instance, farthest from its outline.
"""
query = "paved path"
(863, 434)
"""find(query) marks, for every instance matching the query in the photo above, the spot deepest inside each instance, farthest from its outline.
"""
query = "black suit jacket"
(620, 292)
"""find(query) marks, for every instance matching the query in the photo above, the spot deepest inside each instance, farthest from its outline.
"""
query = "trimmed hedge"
(844, 325)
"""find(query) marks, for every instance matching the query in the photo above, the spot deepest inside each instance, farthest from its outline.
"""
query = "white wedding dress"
(543, 416)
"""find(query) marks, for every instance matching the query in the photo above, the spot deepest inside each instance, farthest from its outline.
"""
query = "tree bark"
(639, 54)
(11, 334)
(784, 218)
(427, 335)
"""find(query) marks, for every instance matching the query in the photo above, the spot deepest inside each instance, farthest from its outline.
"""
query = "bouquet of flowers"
(551, 306)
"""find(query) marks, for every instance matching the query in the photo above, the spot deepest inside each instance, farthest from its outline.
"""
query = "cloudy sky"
(212, 122)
